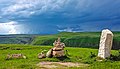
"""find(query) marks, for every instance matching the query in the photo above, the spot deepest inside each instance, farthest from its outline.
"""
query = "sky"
(54, 16)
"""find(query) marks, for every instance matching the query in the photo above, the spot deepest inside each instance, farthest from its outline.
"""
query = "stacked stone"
(58, 50)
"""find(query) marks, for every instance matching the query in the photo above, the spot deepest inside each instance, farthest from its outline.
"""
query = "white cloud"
(9, 28)
(27, 8)
(68, 29)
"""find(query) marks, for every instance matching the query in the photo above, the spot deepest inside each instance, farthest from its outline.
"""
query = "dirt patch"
(52, 65)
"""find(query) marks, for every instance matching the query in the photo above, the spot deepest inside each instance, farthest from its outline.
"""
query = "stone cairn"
(105, 44)
(57, 50)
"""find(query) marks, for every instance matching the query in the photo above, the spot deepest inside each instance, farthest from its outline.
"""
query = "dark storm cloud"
(44, 16)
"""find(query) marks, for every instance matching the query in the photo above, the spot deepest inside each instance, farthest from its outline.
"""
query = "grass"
(80, 55)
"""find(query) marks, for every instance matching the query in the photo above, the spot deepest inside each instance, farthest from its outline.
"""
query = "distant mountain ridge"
(16, 39)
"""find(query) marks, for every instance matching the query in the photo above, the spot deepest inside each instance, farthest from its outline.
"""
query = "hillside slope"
(82, 39)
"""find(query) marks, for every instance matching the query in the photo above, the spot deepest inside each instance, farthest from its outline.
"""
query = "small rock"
(40, 56)
(24, 57)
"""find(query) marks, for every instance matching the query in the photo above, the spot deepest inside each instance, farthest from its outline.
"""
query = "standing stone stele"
(105, 44)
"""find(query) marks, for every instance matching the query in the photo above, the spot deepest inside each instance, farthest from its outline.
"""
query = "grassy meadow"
(80, 55)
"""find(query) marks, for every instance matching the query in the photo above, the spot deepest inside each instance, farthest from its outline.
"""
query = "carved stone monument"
(105, 44)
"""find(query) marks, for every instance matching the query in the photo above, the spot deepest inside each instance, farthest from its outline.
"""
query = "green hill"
(80, 39)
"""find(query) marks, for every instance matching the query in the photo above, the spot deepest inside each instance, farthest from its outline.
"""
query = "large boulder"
(49, 53)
